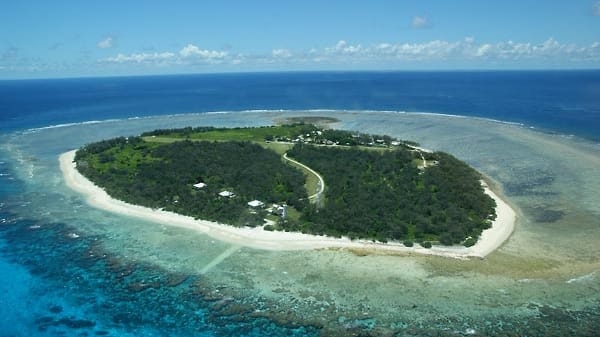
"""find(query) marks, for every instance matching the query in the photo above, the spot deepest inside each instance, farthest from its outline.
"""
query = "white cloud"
(193, 51)
(414, 51)
(189, 54)
(108, 42)
(419, 22)
(281, 53)
(340, 45)
(343, 48)
(548, 49)
(141, 58)
(596, 8)
(466, 51)
(483, 49)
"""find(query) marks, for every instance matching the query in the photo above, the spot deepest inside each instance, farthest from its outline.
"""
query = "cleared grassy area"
(272, 217)
(257, 134)
(418, 162)
(279, 148)
(293, 214)
(153, 139)
(243, 134)
(126, 159)
(380, 149)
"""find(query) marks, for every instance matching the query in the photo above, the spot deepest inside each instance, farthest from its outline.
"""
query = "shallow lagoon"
(544, 279)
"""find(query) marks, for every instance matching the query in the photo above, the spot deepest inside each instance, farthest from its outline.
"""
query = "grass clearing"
(279, 148)
(257, 134)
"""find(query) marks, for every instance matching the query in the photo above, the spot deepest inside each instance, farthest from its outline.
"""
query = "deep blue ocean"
(50, 286)
(557, 101)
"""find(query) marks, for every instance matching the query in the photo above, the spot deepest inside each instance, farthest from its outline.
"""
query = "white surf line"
(225, 254)
(321, 181)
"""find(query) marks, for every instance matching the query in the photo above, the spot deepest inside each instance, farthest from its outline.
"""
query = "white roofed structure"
(227, 194)
(256, 203)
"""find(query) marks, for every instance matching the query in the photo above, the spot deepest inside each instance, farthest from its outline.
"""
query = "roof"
(255, 203)
(199, 185)
(228, 194)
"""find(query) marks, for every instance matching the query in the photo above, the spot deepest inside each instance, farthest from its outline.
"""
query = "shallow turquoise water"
(545, 279)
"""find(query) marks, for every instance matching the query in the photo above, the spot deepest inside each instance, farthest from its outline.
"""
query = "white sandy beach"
(258, 238)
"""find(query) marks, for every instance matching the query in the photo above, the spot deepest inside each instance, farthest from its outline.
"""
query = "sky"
(60, 38)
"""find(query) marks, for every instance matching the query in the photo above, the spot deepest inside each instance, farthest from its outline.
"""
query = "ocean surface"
(68, 269)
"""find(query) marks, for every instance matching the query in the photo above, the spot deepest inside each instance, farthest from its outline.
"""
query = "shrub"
(408, 243)
(469, 242)
(269, 228)
(426, 244)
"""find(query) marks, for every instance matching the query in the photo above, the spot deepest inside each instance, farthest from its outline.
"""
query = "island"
(301, 184)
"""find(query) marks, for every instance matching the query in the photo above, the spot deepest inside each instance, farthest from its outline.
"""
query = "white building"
(256, 203)
(200, 185)
(227, 194)
(280, 210)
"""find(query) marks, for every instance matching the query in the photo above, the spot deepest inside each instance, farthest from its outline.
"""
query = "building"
(227, 194)
(256, 203)
(200, 185)
(280, 210)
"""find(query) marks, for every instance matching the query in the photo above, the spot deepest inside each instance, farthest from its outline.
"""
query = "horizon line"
(332, 71)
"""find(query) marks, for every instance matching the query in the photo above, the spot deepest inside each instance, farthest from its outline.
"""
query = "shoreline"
(257, 238)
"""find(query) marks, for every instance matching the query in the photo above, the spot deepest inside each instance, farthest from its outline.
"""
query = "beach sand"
(258, 238)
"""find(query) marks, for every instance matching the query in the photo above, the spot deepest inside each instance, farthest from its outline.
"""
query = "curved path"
(423, 158)
(420, 150)
(321, 181)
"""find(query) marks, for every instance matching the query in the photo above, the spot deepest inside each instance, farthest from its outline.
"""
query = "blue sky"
(111, 38)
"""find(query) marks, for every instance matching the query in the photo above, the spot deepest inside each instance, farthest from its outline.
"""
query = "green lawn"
(242, 134)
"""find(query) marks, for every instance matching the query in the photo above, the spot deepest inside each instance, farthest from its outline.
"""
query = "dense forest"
(384, 195)
(381, 193)
(162, 176)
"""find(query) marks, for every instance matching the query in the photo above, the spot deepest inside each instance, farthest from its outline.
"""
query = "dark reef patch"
(317, 120)
(530, 184)
(544, 214)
